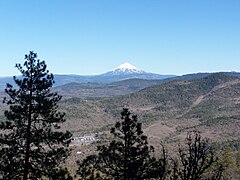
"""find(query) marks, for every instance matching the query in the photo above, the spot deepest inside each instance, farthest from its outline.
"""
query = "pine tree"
(126, 157)
(31, 143)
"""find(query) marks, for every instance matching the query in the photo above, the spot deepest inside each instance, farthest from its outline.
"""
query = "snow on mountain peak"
(127, 68)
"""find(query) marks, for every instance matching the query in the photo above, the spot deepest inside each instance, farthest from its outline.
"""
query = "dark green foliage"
(126, 157)
(32, 146)
(88, 168)
(160, 167)
(59, 174)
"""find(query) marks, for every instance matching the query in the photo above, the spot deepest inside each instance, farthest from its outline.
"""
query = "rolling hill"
(167, 111)
(89, 90)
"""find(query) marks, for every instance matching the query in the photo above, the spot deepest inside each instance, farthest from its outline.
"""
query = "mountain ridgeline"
(87, 90)
(123, 72)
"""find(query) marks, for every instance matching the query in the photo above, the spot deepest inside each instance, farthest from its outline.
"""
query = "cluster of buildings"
(84, 139)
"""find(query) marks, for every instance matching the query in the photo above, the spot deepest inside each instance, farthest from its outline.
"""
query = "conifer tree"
(126, 157)
(31, 143)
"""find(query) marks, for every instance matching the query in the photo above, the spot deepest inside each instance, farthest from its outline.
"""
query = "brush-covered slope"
(87, 90)
(177, 106)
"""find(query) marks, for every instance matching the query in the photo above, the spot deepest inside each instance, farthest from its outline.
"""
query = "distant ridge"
(89, 90)
(122, 72)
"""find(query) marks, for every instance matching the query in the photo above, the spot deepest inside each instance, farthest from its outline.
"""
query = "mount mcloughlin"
(122, 72)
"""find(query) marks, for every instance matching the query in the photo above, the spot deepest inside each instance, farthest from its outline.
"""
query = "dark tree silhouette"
(160, 167)
(32, 146)
(196, 159)
(126, 157)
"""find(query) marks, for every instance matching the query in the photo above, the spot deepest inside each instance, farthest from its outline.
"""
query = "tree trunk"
(27, 155)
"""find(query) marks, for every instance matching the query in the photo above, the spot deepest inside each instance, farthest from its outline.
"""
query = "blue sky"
(94, 36)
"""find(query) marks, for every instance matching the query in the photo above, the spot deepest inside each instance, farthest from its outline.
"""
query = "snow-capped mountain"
(127, 68)
(128, 71)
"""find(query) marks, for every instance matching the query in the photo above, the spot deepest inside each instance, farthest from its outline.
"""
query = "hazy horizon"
(137, 67)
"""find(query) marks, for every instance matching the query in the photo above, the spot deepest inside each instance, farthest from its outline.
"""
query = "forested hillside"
(211, 103)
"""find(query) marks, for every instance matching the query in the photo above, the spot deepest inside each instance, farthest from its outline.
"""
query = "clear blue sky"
(94, 36)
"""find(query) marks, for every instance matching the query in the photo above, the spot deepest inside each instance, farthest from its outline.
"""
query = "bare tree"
(196, 159)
